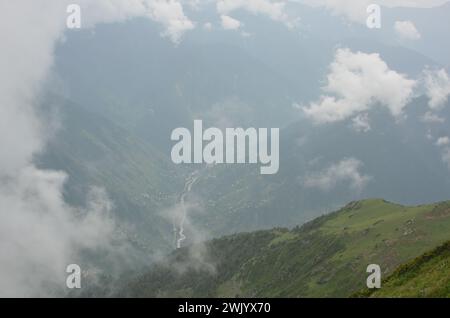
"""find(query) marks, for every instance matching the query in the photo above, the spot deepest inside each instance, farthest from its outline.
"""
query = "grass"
(425, 276)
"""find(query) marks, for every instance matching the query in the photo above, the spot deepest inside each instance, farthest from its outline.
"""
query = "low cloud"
(361, 123)
(345, 171)
(231, 112)
(356, 83)
(229, 23)
(356, 10)
(275, 10)
(437, 85)
(187, 235)
(443, 141)
(407, 30)
(170, 13)
(431, 118)
(208, 26)
(39, 233)
(446, 157)
(444, 144)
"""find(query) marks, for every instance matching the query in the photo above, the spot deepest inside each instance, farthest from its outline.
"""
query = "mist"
(40, 234)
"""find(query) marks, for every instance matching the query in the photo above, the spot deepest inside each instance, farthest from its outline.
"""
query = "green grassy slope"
(425, 276)
(326, 257)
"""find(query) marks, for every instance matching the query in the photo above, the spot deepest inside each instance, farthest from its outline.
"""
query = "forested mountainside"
(327, 257)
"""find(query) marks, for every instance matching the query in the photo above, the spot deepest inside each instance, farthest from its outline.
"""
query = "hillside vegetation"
(327, 257)
(425, 276)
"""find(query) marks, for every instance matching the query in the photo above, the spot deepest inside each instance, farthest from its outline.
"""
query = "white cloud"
(361, 123)
(444, 144)
(356, 10)
(170, 14)
(228, 23)
(208, 26)
(407, 30)
(431, 118)
(275, 10)
(437, 85)
(39, 233)
(413, 3)
(443, 141)
(446, 157)
(347, 170)
(357, 82)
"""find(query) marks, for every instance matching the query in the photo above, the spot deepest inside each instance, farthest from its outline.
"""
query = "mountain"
(132, 76)
(138, 84)
(426, 276)
(155, 87)
(129, 75)
(398, 159)
(327, 257)
(95, 152)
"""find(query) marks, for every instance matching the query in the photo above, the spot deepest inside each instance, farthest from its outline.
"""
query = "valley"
(225, 148)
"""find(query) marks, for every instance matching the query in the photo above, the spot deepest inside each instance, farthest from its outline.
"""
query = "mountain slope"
(231, 81)
(401, 161)
(95, 152)
(426, 276)
(161, 87)
(327, 257)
